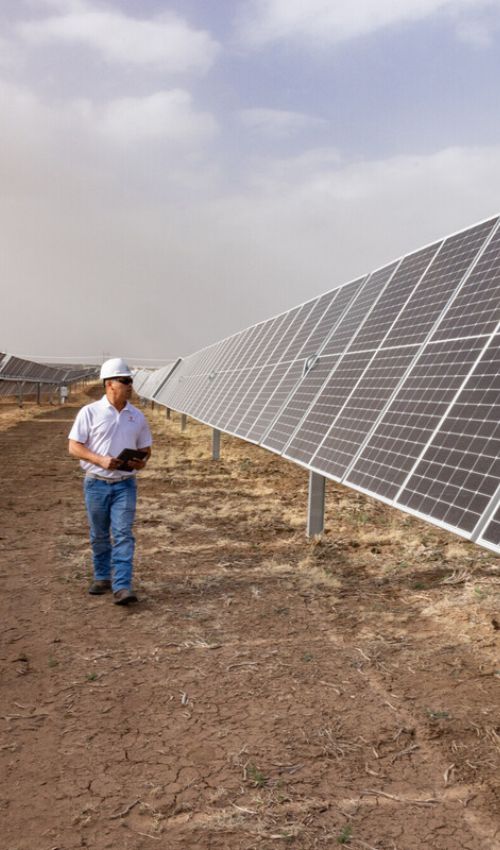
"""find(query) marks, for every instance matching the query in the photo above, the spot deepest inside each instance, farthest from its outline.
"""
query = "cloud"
(276, 123)
(479, 33)
(137, 147)
(164, 43)
(165, 116)
(327, 22)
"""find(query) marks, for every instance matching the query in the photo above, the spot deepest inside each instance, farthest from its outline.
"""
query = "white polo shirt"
(106, 431)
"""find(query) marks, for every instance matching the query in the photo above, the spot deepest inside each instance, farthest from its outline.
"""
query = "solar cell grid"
(212, 355)
(392, 300)
(172, 391)
(308, 319)
(338, 301)
(476, 309)
(181, 390)
(267, 341)
(460, 469)
(227, 358)
(167, 373)
(316, 314)
(362, 410)
(253, 340)
(268, 380)
(300, 401)
(251, 385)
(492, 533)
(413, 415)
(281, 392)
(439, 283)
(230, 413)
(327, 405)
(193, 389)
(190, 363)
(289, 327)
(359, 310)
(216, 391)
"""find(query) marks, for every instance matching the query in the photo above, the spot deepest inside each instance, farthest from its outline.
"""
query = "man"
(99, 434)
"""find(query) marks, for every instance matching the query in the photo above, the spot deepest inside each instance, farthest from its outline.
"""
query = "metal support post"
(215, 444)
(38, 393)
(316, 504)
(152, 405)
(183, 421)
(167, 412)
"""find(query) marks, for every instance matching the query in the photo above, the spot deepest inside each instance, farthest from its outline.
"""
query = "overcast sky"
(174, 170)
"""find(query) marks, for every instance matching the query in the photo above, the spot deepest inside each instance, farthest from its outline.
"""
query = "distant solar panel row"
(390, 383)
(18, 374)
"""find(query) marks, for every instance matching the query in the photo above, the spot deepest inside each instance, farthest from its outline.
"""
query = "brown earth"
(267, 691)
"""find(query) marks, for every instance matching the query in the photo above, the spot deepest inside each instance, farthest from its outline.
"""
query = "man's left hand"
(136, 464)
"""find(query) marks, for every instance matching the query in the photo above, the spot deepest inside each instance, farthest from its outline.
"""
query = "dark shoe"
(99, 586)
(124, 597)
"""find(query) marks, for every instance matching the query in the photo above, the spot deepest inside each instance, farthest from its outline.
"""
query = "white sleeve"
(144, 437)
(80, 429)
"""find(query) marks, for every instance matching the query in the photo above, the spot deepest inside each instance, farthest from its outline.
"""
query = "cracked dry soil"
(267, 691)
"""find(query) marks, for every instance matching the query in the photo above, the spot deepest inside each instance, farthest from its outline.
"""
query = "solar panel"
(389, 383)
(358, 311)
(382, 375)
(476, 308)
(412, 416)
(285, 387)
(348, 370)
(438, 285)
(402, 284)
(281, 382)
(459, 471)
(491, 535)
(332, 397)
(293, 410)
(342, 299)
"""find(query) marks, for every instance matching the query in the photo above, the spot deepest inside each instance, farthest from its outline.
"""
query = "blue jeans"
(111, 508)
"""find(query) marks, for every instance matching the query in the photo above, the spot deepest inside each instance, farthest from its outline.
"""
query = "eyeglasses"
(123, 380)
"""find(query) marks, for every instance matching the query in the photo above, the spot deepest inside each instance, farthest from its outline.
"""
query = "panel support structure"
(316, 504)
(215, 444)
(183, 421)
(167, 413)
(38, 393)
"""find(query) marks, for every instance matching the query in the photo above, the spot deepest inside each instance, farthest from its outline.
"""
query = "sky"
(172, 171)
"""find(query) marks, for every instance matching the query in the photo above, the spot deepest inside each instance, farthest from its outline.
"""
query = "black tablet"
(130, 454)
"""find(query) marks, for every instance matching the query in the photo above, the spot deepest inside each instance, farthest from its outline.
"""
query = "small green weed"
(256, 776)
(53, 662)
(91, 677)
(345, 834)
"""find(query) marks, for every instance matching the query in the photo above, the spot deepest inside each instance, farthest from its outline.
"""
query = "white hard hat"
(115, 368)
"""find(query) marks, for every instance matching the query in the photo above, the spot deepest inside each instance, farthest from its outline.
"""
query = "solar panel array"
(390, 383)
(18, 375)
(148, 381)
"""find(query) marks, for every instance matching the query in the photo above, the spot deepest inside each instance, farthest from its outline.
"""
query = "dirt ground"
(267, 691)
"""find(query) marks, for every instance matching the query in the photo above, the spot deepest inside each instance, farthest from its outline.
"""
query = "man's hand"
(136, 464)
(108, 462)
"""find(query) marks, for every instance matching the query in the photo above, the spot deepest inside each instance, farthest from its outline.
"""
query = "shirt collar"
(105, 403)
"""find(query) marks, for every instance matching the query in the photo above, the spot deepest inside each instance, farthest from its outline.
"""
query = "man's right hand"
(108, 462)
